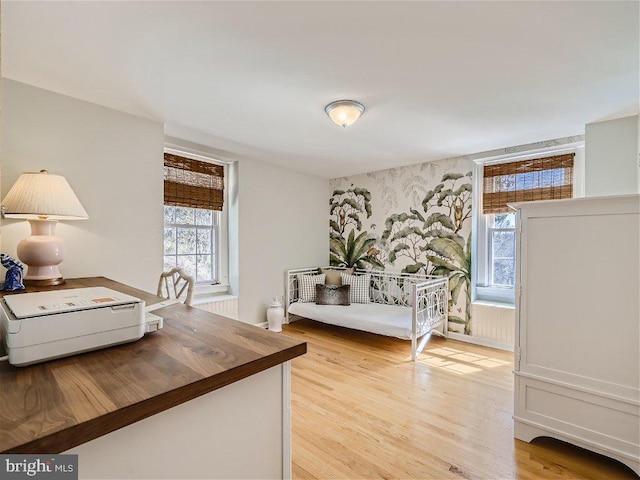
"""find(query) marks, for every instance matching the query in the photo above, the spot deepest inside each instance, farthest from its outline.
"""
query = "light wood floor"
(361, 409)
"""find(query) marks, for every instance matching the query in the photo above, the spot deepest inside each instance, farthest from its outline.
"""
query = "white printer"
(46, 325)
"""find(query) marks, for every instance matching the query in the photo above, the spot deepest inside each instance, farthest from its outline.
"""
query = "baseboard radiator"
(493, 322)
(227, 307)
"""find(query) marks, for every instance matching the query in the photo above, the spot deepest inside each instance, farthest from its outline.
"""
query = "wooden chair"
(173, 284)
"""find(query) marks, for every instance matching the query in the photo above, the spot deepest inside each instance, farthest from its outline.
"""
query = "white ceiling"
(438, 79)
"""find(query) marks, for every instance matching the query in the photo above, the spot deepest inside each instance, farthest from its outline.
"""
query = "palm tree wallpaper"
(414, 219)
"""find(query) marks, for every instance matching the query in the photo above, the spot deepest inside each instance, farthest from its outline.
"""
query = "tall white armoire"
(577, 352)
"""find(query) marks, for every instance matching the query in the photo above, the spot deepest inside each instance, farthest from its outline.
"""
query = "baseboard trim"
(262, 325)
(485, 342)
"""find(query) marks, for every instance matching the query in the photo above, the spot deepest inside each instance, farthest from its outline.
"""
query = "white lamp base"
(42, 252)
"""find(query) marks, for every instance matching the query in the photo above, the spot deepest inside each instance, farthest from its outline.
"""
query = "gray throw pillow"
(332, 294)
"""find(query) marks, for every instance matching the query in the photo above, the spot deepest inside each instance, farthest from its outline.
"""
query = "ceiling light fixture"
(344, 112)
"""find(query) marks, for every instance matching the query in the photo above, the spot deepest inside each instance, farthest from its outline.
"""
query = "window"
(194, 217)
(502, 249)
(190, 241)
(544, 178)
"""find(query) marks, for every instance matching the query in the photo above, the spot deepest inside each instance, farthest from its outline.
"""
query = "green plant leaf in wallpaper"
(345, 208)
(404, 238)
(355, 252)
(366, 195)
(417, 214)
(441, 266)
(451, 176)
(450, 250)
(455, 198)
(440, 218)
(456, 282)
(441, 233)
(394, 220)
(413, 268)
(334, 230)
(393, 254)
(465, 187)
(454, 319)
(429, 196)
(452, 260)
(356, 219)
(407, 232)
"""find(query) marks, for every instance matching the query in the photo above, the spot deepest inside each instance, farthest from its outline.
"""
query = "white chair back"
(174, 283)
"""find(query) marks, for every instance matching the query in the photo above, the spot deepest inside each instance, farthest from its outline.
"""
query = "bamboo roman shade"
(193, 183)
(548, 178)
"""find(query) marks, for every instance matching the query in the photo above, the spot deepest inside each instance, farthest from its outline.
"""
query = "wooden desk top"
(54, 406)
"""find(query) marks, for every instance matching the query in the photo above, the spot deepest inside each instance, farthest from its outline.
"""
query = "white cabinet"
(577, 352)
(242, 430)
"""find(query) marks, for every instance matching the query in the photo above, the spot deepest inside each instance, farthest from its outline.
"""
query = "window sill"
(212, 298)
(504, 297)
(489, 303)
(208, 289)
(207, 293)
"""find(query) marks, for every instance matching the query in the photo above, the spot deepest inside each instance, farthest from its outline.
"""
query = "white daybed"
(406, 306)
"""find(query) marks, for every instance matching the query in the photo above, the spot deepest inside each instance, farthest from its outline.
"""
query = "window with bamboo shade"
(547, 178)
(194, 224)
(193, 183)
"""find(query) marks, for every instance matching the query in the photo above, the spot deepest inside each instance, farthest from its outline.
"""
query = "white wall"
(112, 160)
(611, 159)
(282, 223)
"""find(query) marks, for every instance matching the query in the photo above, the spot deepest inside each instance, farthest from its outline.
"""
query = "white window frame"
(480, 268)
(490, 231)
(214, 227)
(221, 232)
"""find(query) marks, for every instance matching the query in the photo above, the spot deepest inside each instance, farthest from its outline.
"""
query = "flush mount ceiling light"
(344, 112)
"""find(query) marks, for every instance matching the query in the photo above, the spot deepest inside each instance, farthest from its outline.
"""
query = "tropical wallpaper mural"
(414, 219)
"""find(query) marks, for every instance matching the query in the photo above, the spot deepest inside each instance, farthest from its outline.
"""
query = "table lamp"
(43, 199)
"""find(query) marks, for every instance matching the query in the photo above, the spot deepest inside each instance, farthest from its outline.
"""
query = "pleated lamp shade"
(42, 195)
(42, 199)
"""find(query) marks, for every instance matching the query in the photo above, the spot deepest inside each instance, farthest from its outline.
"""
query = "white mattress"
(389, 320)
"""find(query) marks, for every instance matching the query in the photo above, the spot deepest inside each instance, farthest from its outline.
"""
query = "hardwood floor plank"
(362, 409)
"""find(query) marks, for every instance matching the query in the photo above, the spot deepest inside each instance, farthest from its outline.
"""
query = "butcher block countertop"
(57, 405)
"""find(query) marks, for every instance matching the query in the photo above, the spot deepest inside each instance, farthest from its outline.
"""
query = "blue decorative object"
(15, 269)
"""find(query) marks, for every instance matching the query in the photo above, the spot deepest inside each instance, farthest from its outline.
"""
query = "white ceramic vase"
(275, 314)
